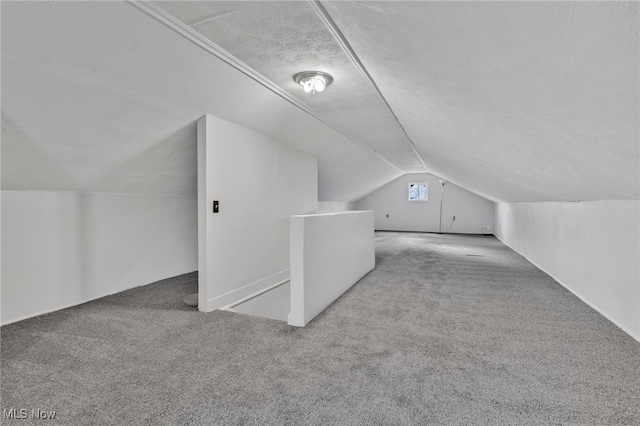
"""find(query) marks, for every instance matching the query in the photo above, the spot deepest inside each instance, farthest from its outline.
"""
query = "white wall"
(329, 254)
(64, 248)
(335, 206)
(259, 183)
(273, 304)
(473, 213)
(591, 248)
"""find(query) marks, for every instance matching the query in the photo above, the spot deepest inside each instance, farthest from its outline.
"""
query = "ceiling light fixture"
(313, 81)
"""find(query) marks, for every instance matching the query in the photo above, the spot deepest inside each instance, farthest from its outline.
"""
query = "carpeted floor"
(446, 330)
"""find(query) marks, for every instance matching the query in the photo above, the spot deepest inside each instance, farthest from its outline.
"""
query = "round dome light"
(313, 81)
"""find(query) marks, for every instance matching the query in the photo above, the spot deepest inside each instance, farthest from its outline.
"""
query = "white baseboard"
(591, 305)
(235, 296)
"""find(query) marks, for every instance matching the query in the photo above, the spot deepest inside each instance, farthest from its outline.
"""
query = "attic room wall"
(99, 104)
(64, 248)
(260, 183)
(335, 206)
(591, 248)
(473, 213)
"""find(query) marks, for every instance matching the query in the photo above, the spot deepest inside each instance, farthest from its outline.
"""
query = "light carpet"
(448, 329)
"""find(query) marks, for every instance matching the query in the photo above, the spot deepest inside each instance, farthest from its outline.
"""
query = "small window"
(418, 192)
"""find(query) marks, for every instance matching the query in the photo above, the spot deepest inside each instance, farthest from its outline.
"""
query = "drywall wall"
(272, 304)
(259, 183)
(393, 211)
(591, 248)
(335, 206)
(329, 254)
(64, 248)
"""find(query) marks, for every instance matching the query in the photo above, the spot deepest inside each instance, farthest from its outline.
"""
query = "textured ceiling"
(280, 39)
(516, 101)
(98, 96)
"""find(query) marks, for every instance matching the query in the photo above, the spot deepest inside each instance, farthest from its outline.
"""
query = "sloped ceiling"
(517, 101)
(100, 97)
(279, 39)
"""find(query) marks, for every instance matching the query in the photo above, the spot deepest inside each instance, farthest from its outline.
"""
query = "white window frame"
(426, 192)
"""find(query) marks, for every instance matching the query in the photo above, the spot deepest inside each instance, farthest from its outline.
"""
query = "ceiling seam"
(342, 41)
(196, 38)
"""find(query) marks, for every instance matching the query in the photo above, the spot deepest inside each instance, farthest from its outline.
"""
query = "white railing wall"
(329, 253)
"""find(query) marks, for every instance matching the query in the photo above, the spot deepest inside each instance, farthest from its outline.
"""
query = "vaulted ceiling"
(516, 101)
